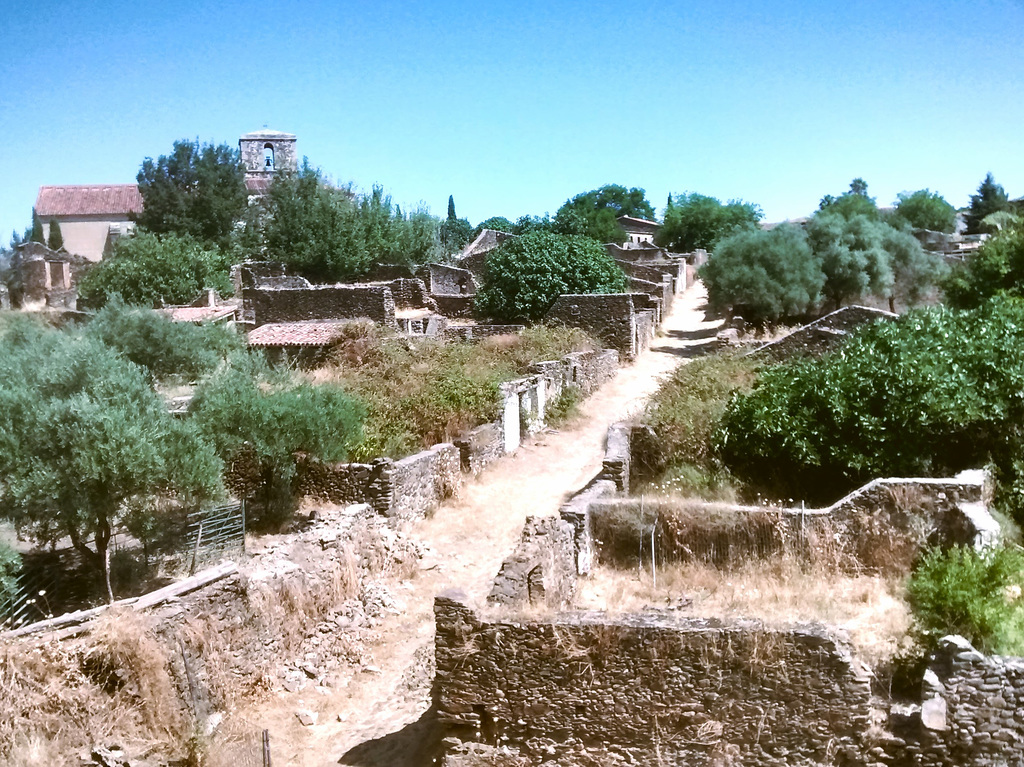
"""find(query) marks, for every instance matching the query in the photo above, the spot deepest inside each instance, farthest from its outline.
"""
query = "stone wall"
(615, 466)
(318, 302)
(649, 689)
(660, 289)
(479, 332)
(481, 447)
(542, 569)
(347, 483)
(576, 511)
(822, 335)
(450, 280)
(410, 293)
(454, 307)
(609, 317)
(420, 482)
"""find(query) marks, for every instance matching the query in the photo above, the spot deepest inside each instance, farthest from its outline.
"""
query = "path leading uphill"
(467, 539)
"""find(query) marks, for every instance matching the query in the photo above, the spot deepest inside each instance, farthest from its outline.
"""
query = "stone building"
(45, 278)
(638, 229)
(91, 216)
(265, 152)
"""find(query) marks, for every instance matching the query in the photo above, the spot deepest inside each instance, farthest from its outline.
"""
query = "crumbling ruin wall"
(649, 689)
(318, 302)
(454, 307)
(609, 317)
(450, 280)
(615, 466)
(479, 332)
(410, 293)
(542, 569)
(420, 482)
(822, 335)
(481, 447)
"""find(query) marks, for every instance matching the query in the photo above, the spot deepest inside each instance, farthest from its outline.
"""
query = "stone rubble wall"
(660, 289)
(481, 447)
(318, 302)
(542, 569)
(576, 511)
(479, 332)
(822, 335)
(410, 293)
(450, 280)
(649, 689)
(616, 456)
(608, 317)
(420, 482)
(454, 307)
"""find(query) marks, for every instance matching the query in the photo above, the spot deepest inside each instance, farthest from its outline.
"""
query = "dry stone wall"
(822, 335)
(649, 689)
(609, 317)
(450, 280)
(421, 481)
(542, 569)
(317, 302)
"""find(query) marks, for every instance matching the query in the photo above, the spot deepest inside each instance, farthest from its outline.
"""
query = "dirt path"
(468, 539)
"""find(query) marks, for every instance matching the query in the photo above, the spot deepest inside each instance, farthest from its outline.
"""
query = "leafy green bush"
(564, 407)
(524, 276)
(245, 411)
(765, 275)
(10, 566)
(997, 268)
(149, 270)
(925, 209)
(974, 594)
(162, 347)
(935, 392)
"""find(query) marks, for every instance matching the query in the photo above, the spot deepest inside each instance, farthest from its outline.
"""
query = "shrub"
(524, 276)
(10, 566)
(161, 346)
(933, 393)
(976, 595)
(997, 268)
(149, 270)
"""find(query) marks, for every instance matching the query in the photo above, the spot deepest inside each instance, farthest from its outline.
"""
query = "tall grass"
(427, 391)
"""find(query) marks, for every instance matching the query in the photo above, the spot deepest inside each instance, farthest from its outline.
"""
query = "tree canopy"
(83, 436)
(855, 202)
(56, 240)
(151, 270)
(697, 221)
(455, 232)
(524, 275)
(997, 268)
(925, 209)
(990, 198)
(327, 233)
(764, 274)
(593, 214)
(197, 190)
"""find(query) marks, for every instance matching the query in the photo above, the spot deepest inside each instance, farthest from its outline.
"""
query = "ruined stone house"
(638, 229)
(44, 277)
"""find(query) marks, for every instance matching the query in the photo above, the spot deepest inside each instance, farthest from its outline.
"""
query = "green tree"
(56, 239)
(451, 208)
(197, 190)
(497, 223)
(991, 198)
(996, 269)
(853, 203)
(914, 270)
(83, 436)
(455, 232)
(527, 223)
(765, 275)
(697, 221)
(925, 209)
(37, 229)
(149, 270)
(328, 233)
(594, 213)
(852, 254)
(10, 567)
(246, 412)
(524, 276)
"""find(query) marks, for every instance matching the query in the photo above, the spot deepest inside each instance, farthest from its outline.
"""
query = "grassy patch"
(424, 392)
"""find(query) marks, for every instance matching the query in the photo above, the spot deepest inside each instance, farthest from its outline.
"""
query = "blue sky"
(514, 107)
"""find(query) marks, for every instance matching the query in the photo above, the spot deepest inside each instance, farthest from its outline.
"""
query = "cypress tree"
(56, 240)
(451, 208)
(37, 229)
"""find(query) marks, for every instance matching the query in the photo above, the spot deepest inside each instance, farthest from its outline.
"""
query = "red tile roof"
(296, 333)
(88, 200)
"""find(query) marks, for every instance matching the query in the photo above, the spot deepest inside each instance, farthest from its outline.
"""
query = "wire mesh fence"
(213, 534)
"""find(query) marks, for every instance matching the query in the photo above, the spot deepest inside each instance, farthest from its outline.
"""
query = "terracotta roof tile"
(296, 333)
(88, 200)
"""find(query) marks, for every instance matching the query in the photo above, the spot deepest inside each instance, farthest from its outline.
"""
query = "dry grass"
(779, 591)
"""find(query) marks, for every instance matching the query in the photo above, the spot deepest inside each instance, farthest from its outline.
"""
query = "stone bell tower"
(264, 152)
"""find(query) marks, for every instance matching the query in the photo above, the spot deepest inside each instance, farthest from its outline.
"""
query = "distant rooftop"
(297, 333)
(88, 200)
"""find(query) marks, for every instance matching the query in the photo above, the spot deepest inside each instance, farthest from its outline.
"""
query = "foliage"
(765, 275)
(524, 276)
(36, 235)
(974, 594)
(497, 223)
(915, 271)
(436, 391)
(930, 394)
(995, 269)
(82, 436)
(329, 234)
(56, 240)
(925, 209)
(593, 214)
(684, 414)
(196, 190)
(697, 221)
(564, 407)
(990, 198)
(455, 232)
(243, 409)
(10, 567)
(852, 203)
(159, 345)
(852, 255)
(152, 270)
(996, 222)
